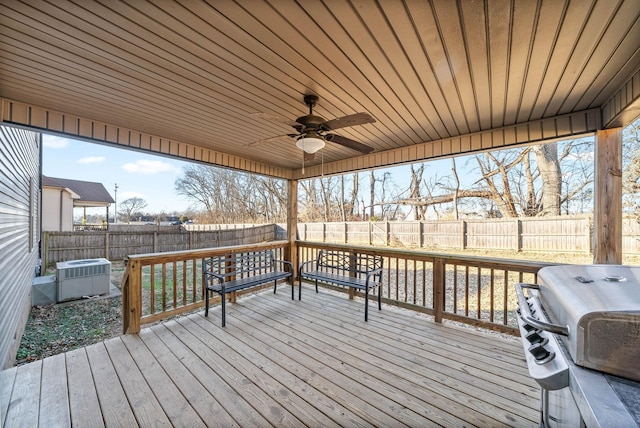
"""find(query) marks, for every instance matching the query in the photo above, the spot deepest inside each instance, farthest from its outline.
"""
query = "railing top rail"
(532, 266)
(149, 258)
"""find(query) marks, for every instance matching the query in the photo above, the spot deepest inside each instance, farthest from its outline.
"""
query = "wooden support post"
(607, 221)
(132, 298)
(438, 289)
(292, 226)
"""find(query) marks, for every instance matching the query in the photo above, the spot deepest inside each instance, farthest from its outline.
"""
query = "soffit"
(210, 74)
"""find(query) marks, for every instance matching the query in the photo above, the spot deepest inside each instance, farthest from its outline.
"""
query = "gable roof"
(91, 194)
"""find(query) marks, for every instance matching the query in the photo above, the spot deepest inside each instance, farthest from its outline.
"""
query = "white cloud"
(146, 166)
(53, 142)
(91, 159)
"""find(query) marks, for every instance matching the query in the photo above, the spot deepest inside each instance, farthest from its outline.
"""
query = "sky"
(146, 176)
(137, 174)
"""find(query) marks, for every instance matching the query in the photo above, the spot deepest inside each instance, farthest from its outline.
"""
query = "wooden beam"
(572, 125)
(607, 222)
(86, 129)
(292, 224)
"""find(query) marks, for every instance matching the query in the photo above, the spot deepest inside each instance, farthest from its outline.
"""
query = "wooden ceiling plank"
(449, 23)
(474, 22)
(426, 26)
(404, 25)
(500, 26)
(45, 50)
(198, 42)
(606, 66)
(335, 48)
(572, 50)
(398, 72)
(525, 21)
(545, 34)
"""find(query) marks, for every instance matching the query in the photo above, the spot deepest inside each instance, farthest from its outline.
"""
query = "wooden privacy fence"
(63, 246)
(548, 234)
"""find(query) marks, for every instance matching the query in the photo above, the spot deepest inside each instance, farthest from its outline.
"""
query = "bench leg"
(366, 305)
(275, 283)
(316, 285)
(206, 303)
(379, 297)
(224, 300)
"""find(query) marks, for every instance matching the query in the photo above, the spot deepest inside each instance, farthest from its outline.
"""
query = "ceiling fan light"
(311, 142)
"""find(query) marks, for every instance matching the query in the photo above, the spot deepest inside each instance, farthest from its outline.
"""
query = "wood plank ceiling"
(220, 75)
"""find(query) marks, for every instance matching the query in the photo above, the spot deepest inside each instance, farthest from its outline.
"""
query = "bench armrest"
(302, 265)
(217, 276)
(285, 264)
(374, 272)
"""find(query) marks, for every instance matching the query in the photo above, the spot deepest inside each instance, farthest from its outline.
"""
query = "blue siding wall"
(19, 233)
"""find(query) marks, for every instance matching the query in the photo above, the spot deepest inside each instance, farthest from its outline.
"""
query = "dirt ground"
(56, 328)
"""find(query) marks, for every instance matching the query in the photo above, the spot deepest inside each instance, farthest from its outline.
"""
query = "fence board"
(544, 234)
(63, 246)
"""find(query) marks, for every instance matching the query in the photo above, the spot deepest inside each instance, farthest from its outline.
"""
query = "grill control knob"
(539, 352)
(534, 337)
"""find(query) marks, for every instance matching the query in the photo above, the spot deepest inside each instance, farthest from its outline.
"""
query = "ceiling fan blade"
(348, 142)
(344, 121)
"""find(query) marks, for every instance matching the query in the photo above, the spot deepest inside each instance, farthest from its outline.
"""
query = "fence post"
(370, 232)
(387, 233)
(421, 237)
(464, 234)
(346, 234)
(438, 289)
(155, 242)
(324, 232)
(45, 252)
(518, 235)
(106, 246)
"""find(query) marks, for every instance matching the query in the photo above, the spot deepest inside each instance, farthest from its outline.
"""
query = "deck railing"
(473, 290)
(160, 285)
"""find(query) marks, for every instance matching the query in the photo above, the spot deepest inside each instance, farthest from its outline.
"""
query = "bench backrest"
(239, 264)
(354, 263)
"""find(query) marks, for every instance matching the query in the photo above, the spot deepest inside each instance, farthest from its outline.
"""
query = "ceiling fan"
(312, 131)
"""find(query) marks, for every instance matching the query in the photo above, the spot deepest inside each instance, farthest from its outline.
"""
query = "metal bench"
(354, 270)
(233, 272)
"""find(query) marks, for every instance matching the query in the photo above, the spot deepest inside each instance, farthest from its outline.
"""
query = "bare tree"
(515, 182)
(631, 170)
(131, 208)
(230, 197)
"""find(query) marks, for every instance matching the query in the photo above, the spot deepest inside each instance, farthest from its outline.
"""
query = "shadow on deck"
(280, 362)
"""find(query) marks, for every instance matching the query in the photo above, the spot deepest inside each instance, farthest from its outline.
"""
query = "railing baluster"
(152, 288)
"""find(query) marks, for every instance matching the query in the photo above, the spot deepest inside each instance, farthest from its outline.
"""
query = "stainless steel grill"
(580, 329)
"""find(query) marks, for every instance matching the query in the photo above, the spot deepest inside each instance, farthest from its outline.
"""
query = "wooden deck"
(280, 362)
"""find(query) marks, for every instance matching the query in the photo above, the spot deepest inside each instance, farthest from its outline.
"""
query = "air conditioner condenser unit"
(79, 278)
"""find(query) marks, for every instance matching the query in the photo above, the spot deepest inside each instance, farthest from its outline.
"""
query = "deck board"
(279, 362)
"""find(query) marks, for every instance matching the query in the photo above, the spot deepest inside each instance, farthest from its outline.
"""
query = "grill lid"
(600, 305)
